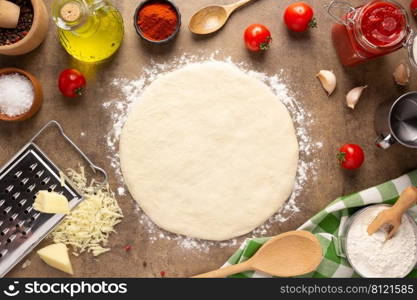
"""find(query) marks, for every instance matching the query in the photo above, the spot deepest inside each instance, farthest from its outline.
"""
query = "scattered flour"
(121, 191)
(372, 256)
(130, 91)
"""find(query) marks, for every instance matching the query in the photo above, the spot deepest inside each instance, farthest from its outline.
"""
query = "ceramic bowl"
(37, 101)
(139, 31)
(36, 34)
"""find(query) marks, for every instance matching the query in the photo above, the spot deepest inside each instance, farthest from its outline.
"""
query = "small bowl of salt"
(20, 95)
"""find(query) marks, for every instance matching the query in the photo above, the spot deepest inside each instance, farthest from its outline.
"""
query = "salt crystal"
(16, 94)
(121, 191)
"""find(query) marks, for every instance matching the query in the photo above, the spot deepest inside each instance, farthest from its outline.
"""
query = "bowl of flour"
(373, 256)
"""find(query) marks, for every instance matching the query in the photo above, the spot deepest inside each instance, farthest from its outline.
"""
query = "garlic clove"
(401, 74)
(353, 96)
(327, 80)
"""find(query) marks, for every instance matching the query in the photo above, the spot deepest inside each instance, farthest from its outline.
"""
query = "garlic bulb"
(327, 80)
(353, 96)
(402, 74)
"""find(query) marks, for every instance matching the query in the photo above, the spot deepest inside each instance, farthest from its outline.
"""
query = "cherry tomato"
(257, 37)
(351, 156)
(71, 83)
(413, 8)
(299, 16)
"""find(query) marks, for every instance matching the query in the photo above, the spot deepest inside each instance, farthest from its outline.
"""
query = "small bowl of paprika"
(157, 21)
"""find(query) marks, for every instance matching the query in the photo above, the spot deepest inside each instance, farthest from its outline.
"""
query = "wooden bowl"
(36, 34)
(37, 101)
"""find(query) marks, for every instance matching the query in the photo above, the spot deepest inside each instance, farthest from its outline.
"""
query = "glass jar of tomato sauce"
(369, 31)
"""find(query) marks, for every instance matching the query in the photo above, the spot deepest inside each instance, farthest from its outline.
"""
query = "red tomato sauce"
(383, 24)
(379, 29)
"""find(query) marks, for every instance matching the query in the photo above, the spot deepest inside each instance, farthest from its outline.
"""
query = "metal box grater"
(29, 171)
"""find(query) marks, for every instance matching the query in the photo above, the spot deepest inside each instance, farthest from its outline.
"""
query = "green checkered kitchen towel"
(328, 224)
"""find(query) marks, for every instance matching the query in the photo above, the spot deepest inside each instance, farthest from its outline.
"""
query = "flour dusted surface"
(209, 152)
(130, 91)
(372, 256)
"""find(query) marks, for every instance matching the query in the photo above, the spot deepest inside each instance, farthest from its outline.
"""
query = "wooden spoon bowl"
(37, 101)
(211, 18)
(289, 254)
(208, 20)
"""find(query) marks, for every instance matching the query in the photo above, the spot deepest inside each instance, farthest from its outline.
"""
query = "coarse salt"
(16, 94)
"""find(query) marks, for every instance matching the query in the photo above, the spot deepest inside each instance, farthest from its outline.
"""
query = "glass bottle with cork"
(374, 29)
(89, 30)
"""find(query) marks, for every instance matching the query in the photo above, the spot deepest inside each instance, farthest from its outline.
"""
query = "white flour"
(372, 256)
(130, 91)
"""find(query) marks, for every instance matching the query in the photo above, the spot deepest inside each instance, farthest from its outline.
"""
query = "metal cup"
(397, 122)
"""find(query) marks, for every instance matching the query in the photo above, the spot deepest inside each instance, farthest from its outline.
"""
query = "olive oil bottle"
(89, 30)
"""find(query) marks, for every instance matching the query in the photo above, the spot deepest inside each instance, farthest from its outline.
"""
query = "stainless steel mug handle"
(342, 5)
(385, 141)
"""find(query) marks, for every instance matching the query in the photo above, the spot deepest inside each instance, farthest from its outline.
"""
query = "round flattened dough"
(209, 152)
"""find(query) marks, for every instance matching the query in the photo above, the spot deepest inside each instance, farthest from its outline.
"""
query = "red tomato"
(257, 37)
(299, 16)
(413, 8)
(351, 156)
(71, 83)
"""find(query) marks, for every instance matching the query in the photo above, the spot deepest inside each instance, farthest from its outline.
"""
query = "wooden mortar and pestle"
(392, 216)
(37, 32)
(289, 254)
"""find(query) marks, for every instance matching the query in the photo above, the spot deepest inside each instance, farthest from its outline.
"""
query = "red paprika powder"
(158, 20)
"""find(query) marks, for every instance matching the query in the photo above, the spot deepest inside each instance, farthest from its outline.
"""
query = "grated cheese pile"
(88, 226)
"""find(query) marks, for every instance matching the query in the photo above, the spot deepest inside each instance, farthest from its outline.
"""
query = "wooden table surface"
(300, 55)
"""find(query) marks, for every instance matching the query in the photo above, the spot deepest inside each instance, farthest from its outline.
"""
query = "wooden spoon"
(9, 14)
(288, 254)
(393, 215)
(211, 18)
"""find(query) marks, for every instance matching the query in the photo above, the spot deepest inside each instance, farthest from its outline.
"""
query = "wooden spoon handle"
(232, 7)
(407, 199)
(223, 272)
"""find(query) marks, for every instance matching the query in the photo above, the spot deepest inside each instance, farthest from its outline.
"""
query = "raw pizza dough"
(209, 152)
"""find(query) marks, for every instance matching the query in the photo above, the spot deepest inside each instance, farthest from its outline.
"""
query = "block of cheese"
(56, 255)
(51, 202)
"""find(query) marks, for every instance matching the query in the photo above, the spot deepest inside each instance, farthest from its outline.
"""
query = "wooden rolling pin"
(9, 14)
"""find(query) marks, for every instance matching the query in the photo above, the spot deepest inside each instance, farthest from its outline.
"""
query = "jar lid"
(69, 14)
(70, 11)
